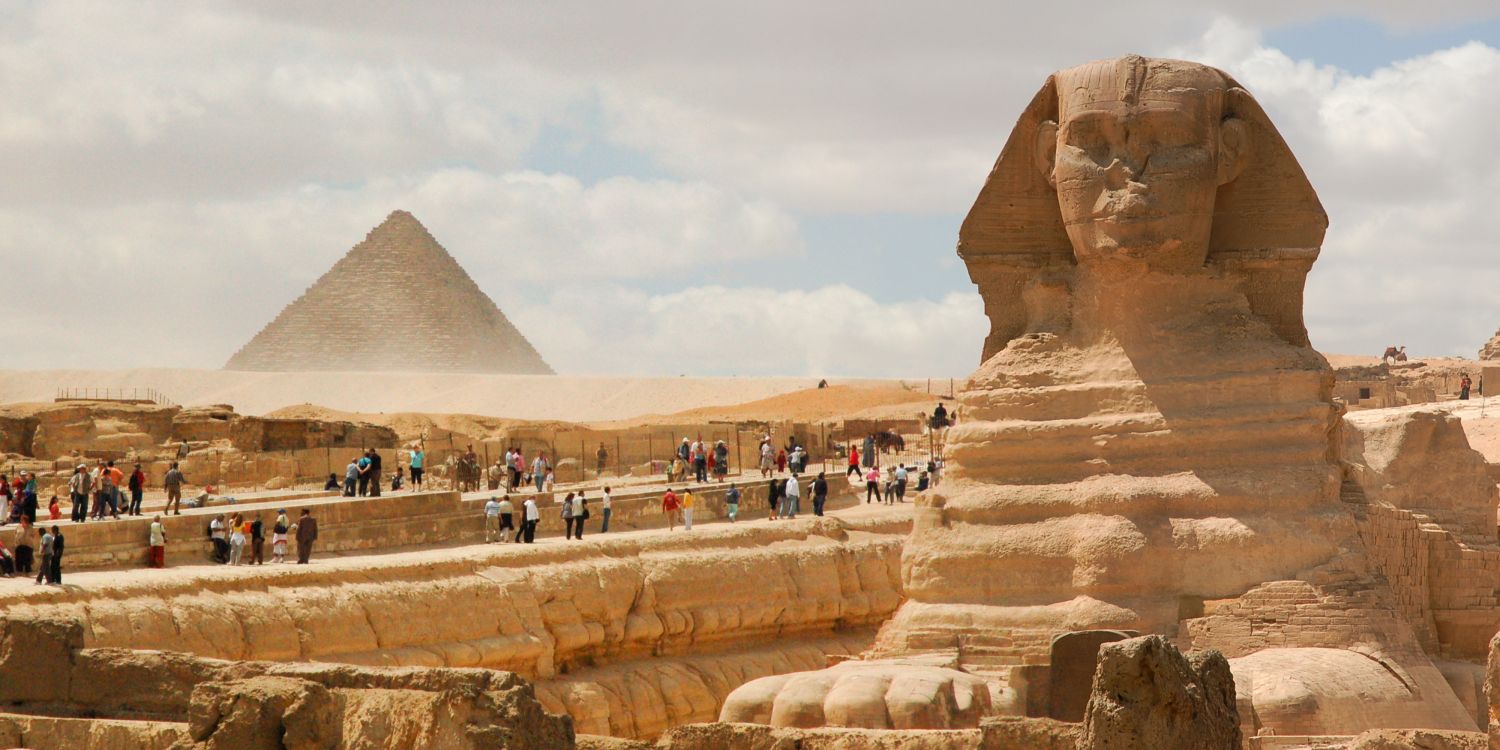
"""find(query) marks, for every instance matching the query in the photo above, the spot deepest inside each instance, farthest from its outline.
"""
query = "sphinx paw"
(865, 694)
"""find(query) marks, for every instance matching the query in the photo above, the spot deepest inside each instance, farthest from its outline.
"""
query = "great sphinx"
(1150, 444)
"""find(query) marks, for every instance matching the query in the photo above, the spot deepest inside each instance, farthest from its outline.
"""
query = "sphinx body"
(1150, 443)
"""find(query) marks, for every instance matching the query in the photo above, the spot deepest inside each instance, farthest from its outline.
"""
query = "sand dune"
(537, 397)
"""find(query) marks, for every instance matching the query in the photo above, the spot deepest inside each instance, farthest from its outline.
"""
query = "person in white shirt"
(492, 520)
(221, 544)
(580, 514)
(789, 499)
(605, 504)
(901, 483)
(528, 526)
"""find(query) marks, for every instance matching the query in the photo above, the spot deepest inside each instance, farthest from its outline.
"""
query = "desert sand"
(531, 397)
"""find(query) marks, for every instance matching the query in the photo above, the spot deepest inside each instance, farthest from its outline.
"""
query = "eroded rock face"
(1150, 443)
(1147, 694)
(1422, 461)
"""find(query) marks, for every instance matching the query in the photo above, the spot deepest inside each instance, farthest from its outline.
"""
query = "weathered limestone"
(1150, 443)
(399, 273)
(1147, 695)
(590, 623)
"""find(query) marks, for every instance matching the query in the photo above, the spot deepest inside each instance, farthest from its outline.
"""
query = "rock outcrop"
(1148, 695)
(1150, 443)
(398, 273)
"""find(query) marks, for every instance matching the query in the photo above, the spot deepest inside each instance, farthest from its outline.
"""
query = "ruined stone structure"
(397, 302)
(1151, 444)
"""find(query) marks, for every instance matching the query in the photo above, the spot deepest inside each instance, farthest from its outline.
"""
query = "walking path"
(879, 516)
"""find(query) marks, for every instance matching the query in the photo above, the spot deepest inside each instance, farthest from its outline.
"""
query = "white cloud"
(177, 173)
(1399, 158)
(829, 331)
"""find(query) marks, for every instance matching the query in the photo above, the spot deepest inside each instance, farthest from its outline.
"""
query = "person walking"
(236, 539)
(1465, 384)
(580, 514)
(307, 533)
(78, 492)
(853, 463)
(279, 537)
(669, 506)
(257, 541)
(732, 502)
(566, 509)
(44, 571)
(507, 522)
(781, 461)
(890, 485)
(173, 484)
(26, 542)
(607, 505)
(533, 517)
(539, 469)
(58, 542)
(765, 459)
(872, 485)
(351, 477)
(220, 539)
(773, 496)
(418, 468)
(137, 490)
(492, 520)
(820, 494)
(157, 536)
(790, 496)
(687, 502)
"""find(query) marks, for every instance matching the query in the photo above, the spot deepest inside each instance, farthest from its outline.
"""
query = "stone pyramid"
(396, 302)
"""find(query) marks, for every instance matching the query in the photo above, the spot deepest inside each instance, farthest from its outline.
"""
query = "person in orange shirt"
(669, 507)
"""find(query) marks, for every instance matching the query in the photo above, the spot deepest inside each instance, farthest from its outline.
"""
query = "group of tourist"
(231, 536)
(703, 461)
(33, 543)
(793, 457)
(500, 524)
(363, 475)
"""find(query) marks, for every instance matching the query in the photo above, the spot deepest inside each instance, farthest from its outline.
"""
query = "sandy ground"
(530, 397)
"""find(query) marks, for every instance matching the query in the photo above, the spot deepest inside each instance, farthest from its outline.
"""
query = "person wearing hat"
(278, 537)
(307, 533)
(79, 487)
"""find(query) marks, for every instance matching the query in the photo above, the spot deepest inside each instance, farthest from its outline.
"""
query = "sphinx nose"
(1119, 173)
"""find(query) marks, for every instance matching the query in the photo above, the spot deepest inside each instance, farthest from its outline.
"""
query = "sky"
(705, 188)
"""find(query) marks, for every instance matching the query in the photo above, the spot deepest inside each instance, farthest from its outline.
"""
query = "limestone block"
(1148, 695)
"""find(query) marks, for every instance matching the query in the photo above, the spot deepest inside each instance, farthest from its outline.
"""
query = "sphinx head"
(1171, 165)
(1137, 154)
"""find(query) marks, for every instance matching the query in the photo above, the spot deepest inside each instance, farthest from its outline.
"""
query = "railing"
(128, 395)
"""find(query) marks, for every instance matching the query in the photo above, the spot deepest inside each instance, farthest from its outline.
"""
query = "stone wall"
(391, 521)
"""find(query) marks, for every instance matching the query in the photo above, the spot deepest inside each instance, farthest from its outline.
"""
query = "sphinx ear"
(1234, 149)
(1045, 152)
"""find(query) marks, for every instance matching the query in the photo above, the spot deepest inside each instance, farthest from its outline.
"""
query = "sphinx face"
(1139, 154)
